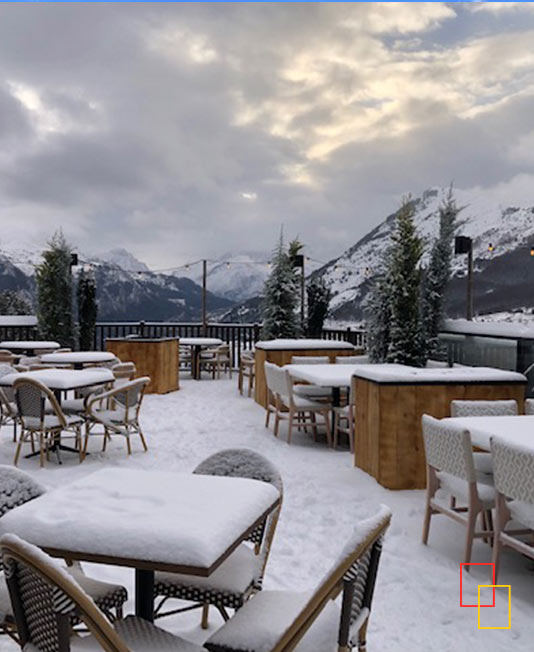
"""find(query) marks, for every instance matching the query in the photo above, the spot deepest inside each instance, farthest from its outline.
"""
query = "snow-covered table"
(197, 344)
(281, 351)
(515, 430)
(390, 401)
(28, 347)
(62, 380)
(78, 358)
(147, 520)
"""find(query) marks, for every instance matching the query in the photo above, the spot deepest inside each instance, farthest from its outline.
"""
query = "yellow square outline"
(496, 586)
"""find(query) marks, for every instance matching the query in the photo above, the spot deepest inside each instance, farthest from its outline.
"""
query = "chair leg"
(19, 446)
(143, 441)
(205, 616)
(336, 429)
(351, 431)
(250, 385)
(41, 449)
(128, 445)
(240, 380)
(267, 416)
(432, 484)
(290, 425)
(314, 425)
(326, 416)
(276, 423)
(471, 522)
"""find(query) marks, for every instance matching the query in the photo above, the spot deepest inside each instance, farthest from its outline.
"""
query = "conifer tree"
(87, 309)
(437, 274)
(319, 296)
(404, 277)
(54, 292)
(14, 303)
(378, 318)
(281, 297)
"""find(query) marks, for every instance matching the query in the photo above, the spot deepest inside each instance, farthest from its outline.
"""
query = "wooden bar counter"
(390, 401)
(280, 352)
(154, 357)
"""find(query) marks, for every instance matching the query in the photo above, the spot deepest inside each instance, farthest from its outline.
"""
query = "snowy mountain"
(121, 258)
(126, 289)
(502, 239)
(237, 277)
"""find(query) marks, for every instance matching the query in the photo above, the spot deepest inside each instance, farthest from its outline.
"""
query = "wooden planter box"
(157, 358)
(280, 353)
(389, 439)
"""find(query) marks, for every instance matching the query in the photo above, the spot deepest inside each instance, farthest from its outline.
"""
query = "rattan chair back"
(44, 597)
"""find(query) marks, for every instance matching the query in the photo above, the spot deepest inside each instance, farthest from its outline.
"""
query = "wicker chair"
(247, 369)
(529, 406)
(17, 488)
(31, 395)
(122, 416)
(450, 467)
(241, 575)
(291, 407)
(277, 621)
(514, 484)
(45, 599)
(8, 406)
(124, 370)
(483, 461)
(6, 357)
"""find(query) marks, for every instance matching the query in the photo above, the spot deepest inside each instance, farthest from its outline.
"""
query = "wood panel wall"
(389, 438)
(157, 359)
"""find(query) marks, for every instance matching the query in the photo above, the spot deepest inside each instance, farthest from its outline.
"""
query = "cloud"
(184, 130)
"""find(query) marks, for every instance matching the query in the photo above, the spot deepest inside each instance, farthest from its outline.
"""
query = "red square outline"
(461, 577)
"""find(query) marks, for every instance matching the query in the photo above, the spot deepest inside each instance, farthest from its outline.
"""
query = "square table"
(517, 430)
(197, 344)
(334, 376)
(62, 380)
(28, 347)
(78, 358)
(147, 520)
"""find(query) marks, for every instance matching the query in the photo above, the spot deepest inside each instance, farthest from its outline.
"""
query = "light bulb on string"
(490, 247)
(532, 251)
(227, 265)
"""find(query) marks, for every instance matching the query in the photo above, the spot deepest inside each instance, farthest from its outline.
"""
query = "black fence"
(238, 336)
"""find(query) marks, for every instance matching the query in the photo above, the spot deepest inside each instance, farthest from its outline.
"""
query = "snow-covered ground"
(416, 605)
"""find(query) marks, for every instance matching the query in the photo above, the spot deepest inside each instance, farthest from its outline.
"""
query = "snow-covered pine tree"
(378, 317)
(14, 303)
(54, 292)
(281, 297)
(87, 309)
(319, 296)
(437, 274)
(404, 277)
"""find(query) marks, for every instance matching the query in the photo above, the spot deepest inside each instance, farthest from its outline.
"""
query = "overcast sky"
(182, 131)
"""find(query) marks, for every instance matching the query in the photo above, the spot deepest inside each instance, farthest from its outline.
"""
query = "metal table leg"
(144, 594)
(336, 402)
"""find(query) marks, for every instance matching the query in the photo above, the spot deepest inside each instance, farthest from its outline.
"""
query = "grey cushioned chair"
(514, 484)
(451, 468)
(241, 574)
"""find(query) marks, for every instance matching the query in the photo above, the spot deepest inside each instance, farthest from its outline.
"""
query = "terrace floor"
(416, 605)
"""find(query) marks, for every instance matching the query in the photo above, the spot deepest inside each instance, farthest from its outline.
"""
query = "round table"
(197, 344)
(78, 358)
(28, 347)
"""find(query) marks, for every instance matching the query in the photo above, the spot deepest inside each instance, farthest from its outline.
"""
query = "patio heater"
(464, 245)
